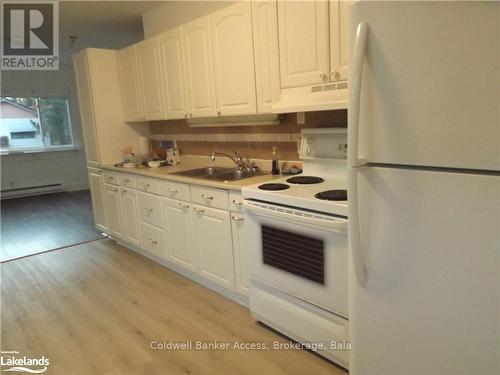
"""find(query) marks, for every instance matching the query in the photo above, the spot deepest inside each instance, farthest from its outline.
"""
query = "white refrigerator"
(424, 188)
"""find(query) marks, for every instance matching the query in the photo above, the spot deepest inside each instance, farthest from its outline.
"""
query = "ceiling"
(100, 24)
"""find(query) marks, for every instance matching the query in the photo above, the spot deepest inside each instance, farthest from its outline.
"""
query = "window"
(34, 124)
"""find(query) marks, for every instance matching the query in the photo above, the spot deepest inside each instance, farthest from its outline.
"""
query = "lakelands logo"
(30, 35)
(13, 361)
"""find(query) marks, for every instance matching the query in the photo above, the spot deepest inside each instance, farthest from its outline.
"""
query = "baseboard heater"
(32, 190)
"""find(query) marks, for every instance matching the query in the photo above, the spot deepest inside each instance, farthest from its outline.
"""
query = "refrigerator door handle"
(355, 98)
(353, 227)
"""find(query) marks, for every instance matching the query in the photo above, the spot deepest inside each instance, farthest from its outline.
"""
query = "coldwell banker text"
(30, 35)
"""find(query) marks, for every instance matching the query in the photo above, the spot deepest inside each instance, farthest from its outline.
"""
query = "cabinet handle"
(173, 191)
(152, 242)
(124, 191)
(190, 114)
(148, 210)
(218, 113)
(237, 219)
(115, 189)
(207, 197)
(323, 76)
(199, 210)
(237, 203)
(126, 180)
(182, 205)
(185, 115)
(145, 185)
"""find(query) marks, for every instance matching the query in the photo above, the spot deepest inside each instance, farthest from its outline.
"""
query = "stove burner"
(333, 195)
(305, 180)
(274, 187)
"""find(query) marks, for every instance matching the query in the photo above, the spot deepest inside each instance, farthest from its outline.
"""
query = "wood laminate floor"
(95, 308)
(32, 225)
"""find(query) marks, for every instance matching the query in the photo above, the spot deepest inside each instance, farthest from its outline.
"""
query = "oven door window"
(294, 253)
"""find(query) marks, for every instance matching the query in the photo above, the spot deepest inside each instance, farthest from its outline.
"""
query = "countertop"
(165, 173)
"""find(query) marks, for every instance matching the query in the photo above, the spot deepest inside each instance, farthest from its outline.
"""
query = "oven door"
(301, 253)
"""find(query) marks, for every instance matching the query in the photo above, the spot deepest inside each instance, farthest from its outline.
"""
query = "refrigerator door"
(430, 243)
(429, 91)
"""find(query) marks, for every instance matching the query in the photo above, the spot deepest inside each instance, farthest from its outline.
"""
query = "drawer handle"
(148, 210)
(183, 205)
(173, 191)
(207, 197)
(237, 219)
(115, 189)
(111, 177)
(124, 191)
(152, 242)
(145, 185)
(199, 210)
(126, 180)
(237, 203)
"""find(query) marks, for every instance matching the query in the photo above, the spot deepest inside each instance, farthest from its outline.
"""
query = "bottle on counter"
(275, 166)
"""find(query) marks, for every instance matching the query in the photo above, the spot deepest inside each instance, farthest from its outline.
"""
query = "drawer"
(150, 209)
(236, 202)
(210, 197)
(153, 240)
(111, 178)
(176, 190)
(128, 181)
(148, 185)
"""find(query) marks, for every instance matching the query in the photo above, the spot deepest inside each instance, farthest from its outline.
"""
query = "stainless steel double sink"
(219, 173)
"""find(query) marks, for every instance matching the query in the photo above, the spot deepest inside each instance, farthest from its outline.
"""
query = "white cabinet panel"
(129, 85)
(213, 243)
(231, 31)
(339, 41)
(149, 209)
(151, 92)
(98, 199)
(130, 216)
(114, 211)
(153, 240)
(199, 68)
(266, 53)
(303, 42)
(85, 98)
(179, 235)
(173, 75)
(240, 257)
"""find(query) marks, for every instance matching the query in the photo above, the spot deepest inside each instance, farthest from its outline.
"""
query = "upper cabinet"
(129, 84)
(265, 44)
(303, 42)
(173, 75)
(339, 41)
(200, 86)
(231, 31)
(150, 87)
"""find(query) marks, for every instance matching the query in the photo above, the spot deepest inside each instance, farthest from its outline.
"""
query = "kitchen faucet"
(237, 159)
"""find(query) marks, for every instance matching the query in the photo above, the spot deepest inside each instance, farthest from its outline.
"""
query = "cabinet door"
(179, 233)
(114, 211)
(98, 200)
(130, 216)
(339, 44)
(130, 90)
(213, 244)
(85, 95)
(173, 75)
(151, 91)
(240, 261)
(199, 68)
(303, 42)
(231, 30)
(265, 44)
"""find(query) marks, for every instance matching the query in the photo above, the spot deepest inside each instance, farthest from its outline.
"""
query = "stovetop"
(302, 195)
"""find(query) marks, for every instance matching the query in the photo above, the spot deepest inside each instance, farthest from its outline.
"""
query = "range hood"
(328, 96)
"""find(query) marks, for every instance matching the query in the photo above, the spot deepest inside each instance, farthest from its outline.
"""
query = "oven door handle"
(311, 220)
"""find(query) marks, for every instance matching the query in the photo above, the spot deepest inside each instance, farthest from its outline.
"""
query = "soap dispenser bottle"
(275, 167)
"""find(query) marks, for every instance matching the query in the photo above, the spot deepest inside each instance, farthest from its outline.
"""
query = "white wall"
(34, 169)
(174, 13)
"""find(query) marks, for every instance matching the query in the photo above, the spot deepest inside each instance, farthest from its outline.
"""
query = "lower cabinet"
(240, 261)
(113, 200)
(130, 216)
(153, 240)
(97, 195)
(178, 233)
(213, 244)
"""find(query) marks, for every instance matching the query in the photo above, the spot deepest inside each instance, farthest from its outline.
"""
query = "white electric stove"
(296, 245)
